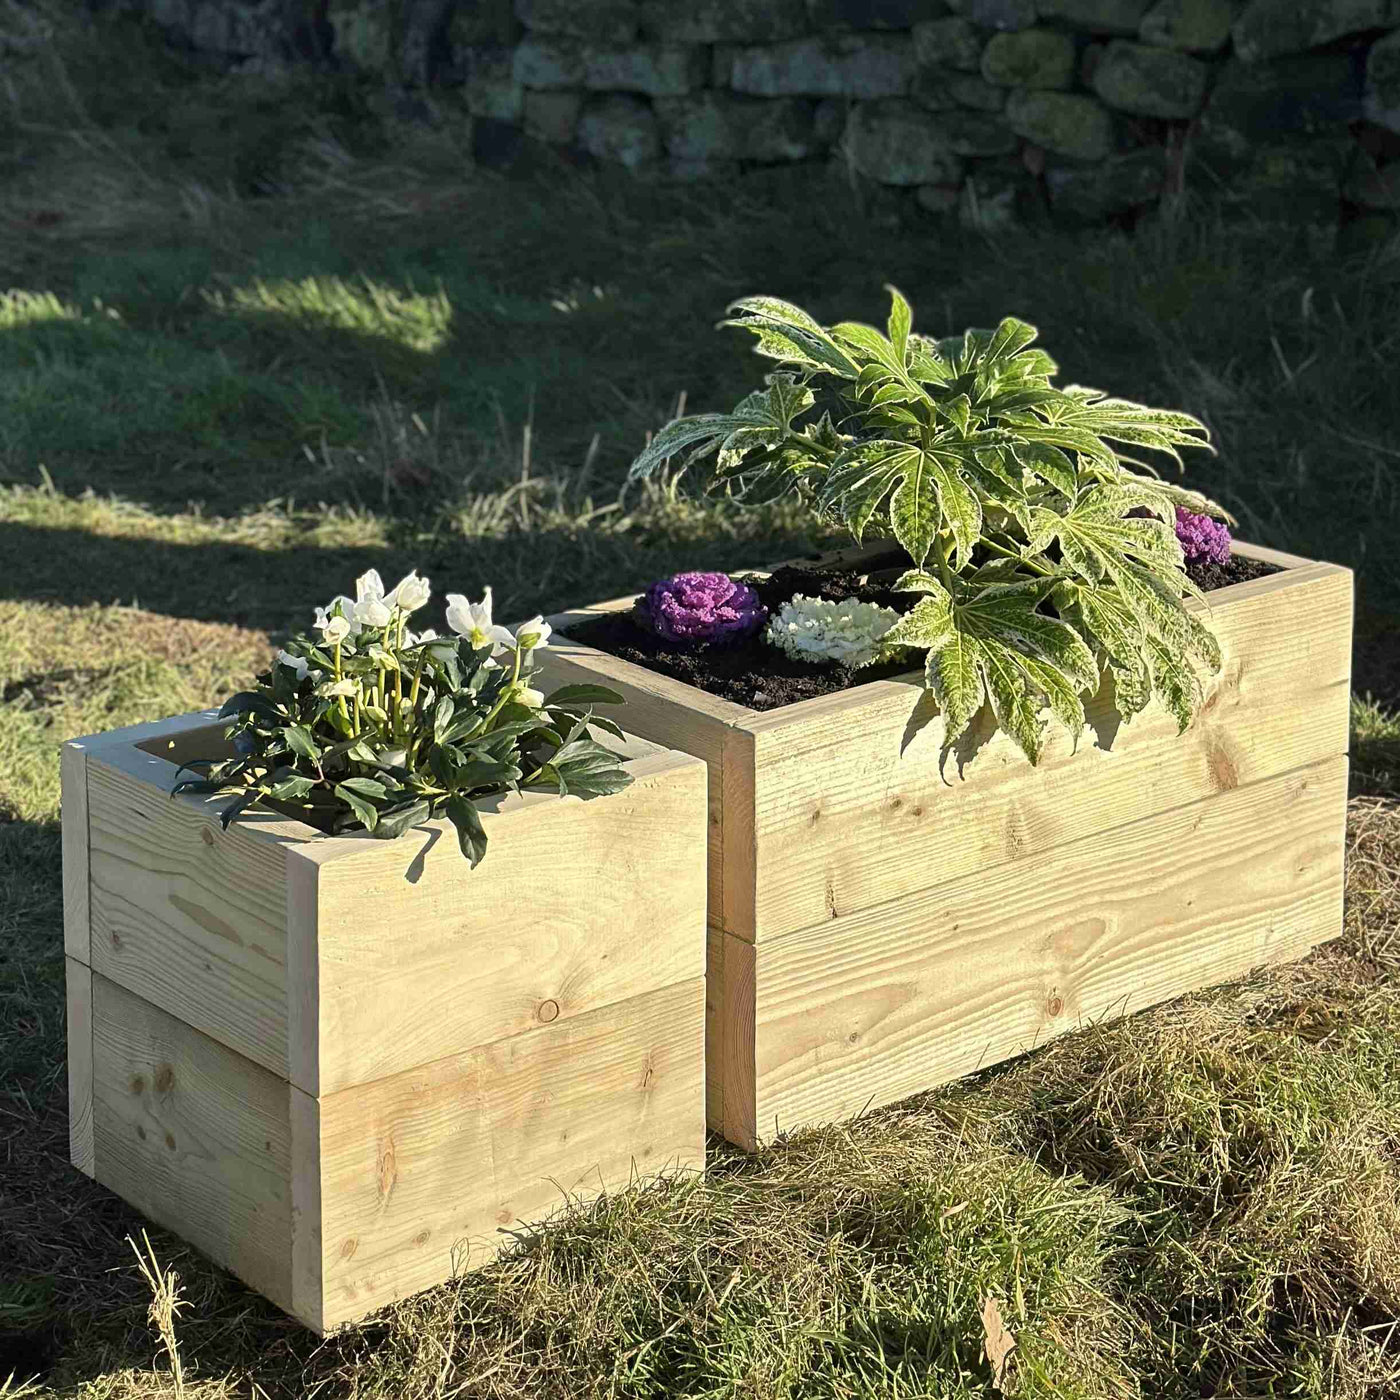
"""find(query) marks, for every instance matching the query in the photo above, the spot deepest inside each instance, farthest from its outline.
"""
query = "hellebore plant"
(695, 608)
(368, 726)
(1002, 491)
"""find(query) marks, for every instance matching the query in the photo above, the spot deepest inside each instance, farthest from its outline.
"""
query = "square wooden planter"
(345, 1067)
(877, 928)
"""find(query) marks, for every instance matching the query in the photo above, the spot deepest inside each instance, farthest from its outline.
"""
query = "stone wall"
(987, 110)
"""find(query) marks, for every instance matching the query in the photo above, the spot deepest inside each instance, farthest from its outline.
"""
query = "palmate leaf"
(929, 494)
(1121, 420)
(1096, 538)
(786, 332)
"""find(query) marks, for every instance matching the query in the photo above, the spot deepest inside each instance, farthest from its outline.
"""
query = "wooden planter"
(345, 1067)
(876, 928)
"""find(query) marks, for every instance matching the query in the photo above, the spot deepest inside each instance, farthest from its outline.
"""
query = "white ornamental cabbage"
(818, 630)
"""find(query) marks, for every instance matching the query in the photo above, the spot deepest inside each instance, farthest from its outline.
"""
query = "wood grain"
(850, 807)
(308, 1262)
(903, 996)
(195, 1136)
(187, 915)
(662, 709)
(428, 1168)
(78, 988)
(577, 905)
(73, 808)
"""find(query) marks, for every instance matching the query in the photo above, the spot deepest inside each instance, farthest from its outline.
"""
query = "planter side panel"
(78, 993)
(426, 1169)
(652, 712)
(874, 1006)
(186, 915)
(851, 809)
(194, 1136)
(577, 905)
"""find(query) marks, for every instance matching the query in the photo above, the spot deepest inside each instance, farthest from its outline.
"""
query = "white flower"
(344, 686)
(533, 634)
(817, 630)
(333, 627)
(298, 664)
(410, 593)
(473, 621)
(414, 639)
(371, 610)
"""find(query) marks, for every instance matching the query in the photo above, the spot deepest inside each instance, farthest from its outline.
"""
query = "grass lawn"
(246, 353)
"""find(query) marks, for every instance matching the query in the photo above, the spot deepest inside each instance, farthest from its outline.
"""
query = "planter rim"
(171, 741)
(735, 715)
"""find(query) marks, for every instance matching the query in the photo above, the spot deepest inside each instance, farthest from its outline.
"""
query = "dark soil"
(753, 673)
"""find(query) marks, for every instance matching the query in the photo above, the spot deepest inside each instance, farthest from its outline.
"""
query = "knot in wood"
(1055, 1005)
(165, 1079)
(549, 1010)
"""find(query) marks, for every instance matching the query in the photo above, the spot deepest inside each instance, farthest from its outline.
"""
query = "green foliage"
(1043, 560)
(368, 727)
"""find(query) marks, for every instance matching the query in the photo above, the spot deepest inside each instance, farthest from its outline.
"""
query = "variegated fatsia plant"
(1040, 557)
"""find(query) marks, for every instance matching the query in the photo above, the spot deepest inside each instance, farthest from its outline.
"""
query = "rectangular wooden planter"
(877, 927)
(346, 1067)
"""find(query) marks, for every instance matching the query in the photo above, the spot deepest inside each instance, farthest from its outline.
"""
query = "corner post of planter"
(304, 1068)
(77, 947)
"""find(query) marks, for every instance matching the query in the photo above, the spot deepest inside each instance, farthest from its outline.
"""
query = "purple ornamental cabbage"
(1203, 540)
(696, 607)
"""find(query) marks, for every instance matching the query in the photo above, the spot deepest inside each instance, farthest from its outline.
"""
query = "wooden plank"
(183, 745)
(733, 1060)
(307, 1249)
(187, 915)
(77, 908)
(666, 711)
(78, 987)
(577, 906)
(876, 1005)
(426, 1170)
(714, 1026)
(194, 1136)
(851, 810)
(133, 734)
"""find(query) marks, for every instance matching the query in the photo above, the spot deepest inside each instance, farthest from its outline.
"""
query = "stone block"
(602, 21)
(939, 199)
(949, 43)
(827, 65)
(721, 125)
(723, 21)
(620, 128)
(976, 133)
(1268, 28)
(1002, 14)
(490, 89)
(1197, 26)
(1097, 16)
(897, 143)
(1381, 98)
(552, 116)
(1032, 58)
(655, 70)
(1150, 82)
(873, 14)
(1093, 193)
(1299, 96)
(1068, 124)
(829, 121)
(549, 63)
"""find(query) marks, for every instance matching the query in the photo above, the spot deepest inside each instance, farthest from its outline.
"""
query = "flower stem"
(505, 694)
(340, 699)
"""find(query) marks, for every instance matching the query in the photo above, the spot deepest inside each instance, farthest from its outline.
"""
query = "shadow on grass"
(277, 590)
